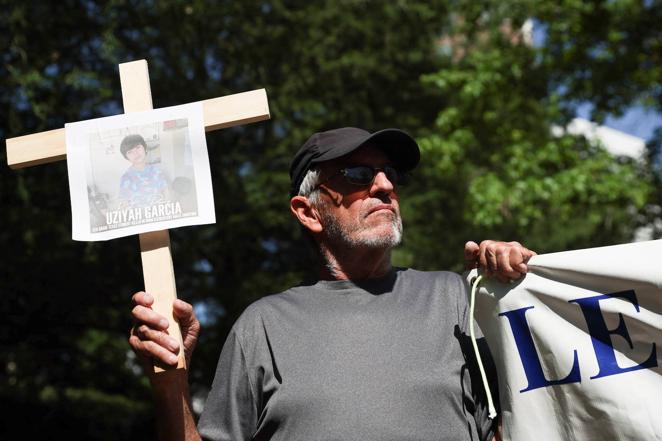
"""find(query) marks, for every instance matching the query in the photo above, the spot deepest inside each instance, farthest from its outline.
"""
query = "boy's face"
(136, 154)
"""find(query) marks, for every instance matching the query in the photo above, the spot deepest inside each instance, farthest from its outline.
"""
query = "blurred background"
(538, 122)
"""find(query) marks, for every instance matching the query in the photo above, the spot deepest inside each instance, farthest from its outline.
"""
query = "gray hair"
(308, 187)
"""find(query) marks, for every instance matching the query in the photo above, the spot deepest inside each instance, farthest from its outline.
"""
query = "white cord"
(490, 403)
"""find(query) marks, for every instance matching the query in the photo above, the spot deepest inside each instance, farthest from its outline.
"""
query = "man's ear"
(307, 215)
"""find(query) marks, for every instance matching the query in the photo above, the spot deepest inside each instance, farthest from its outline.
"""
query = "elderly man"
(369, 351)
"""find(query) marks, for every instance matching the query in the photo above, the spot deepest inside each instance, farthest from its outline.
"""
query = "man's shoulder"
(431, 276)
(445, 291)
(446, 285)
(256, 311)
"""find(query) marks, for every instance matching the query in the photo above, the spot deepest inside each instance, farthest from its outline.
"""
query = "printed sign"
(578, 344)
(139, 172)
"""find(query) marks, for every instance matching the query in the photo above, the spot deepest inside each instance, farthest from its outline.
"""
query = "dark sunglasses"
(364, 175)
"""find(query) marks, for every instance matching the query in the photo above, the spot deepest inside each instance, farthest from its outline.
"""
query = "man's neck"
(355, 264)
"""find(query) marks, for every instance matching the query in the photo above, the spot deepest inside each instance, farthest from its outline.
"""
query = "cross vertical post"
(158, 270)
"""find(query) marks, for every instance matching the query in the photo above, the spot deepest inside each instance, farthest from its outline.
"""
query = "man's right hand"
(149, 338)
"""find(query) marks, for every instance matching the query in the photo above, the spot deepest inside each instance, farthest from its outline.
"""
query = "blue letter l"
(529, 356)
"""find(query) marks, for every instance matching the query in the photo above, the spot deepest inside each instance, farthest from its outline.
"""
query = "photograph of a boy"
(142, 184)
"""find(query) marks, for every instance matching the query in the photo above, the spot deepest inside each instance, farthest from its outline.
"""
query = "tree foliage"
(495, 163)
(456, 74)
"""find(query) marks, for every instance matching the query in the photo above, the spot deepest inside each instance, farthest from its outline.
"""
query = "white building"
(614, 141)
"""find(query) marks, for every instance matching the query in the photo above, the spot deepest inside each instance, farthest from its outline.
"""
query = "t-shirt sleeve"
(230, 412)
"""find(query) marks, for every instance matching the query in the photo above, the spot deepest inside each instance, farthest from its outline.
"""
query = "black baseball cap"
(324, 146)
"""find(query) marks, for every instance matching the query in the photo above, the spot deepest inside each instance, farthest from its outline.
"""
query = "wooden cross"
(50, 146)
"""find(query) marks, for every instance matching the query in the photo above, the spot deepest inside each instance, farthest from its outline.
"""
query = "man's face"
(136, 154)
(365, 216)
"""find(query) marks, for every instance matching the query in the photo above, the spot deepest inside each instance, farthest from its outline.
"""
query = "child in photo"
(142, 184)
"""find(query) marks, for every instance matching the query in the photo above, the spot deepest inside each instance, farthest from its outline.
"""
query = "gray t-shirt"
(385, 359)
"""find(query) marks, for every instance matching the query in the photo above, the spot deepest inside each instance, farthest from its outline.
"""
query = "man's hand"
(506, 261)
(149, 338)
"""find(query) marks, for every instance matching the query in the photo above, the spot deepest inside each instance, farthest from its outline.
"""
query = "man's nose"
(381, 183)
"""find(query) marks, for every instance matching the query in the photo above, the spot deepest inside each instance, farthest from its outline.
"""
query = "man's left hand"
(506, 261)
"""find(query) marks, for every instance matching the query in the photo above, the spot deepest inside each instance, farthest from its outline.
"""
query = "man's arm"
(174, 416)
(498, 436)
(151, 343)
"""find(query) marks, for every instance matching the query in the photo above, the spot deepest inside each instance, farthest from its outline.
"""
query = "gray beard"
(337, 235)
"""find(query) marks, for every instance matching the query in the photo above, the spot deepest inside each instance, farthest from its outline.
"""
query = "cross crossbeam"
(219, 113)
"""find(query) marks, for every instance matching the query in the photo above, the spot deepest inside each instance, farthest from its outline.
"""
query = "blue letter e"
(600, 335)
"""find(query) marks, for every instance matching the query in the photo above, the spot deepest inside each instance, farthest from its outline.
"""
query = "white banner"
(578, 344)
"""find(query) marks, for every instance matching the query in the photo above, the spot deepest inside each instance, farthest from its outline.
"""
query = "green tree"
(495, 167)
